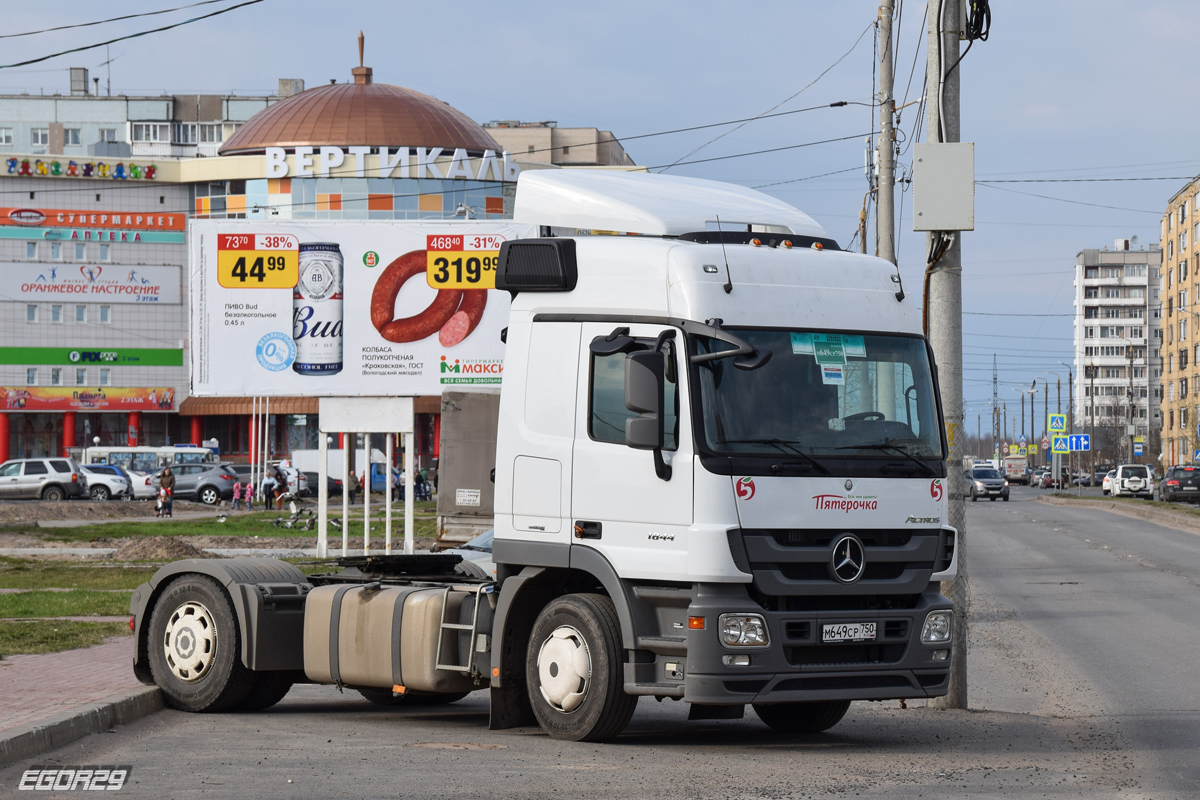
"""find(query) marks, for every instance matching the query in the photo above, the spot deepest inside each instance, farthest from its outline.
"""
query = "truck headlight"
(744, 630)
(937, 627)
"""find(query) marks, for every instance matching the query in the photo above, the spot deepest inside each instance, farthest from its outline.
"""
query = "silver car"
(989, 483)
(42, 479)
(207, 482)
(108, 481)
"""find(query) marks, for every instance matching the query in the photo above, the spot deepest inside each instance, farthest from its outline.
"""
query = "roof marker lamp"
(937, 627)
(744, 630)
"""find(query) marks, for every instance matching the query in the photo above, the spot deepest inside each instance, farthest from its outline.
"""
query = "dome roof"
(360, 113)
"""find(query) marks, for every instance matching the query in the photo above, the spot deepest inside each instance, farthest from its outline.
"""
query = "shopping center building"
(95, 200)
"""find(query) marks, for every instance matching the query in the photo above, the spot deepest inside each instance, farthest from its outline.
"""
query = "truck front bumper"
(797, 666)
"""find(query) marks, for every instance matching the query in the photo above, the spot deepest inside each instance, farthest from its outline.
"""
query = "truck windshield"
(821, 394)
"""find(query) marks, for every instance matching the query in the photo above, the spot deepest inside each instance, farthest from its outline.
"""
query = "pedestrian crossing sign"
(1060, 444)
(1056, 423)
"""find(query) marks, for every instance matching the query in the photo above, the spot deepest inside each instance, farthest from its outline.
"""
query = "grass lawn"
(24, 573)
(257, 523)
(52, 635)
(74, 603)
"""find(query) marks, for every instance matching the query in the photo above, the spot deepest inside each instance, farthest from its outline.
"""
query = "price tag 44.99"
(462, 262)
(257, 261)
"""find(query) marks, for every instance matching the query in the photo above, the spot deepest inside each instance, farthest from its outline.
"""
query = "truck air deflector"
(537, 265)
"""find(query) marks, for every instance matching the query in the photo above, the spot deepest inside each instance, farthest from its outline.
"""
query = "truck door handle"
(587, 530)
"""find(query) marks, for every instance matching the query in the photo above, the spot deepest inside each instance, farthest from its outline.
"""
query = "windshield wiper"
(785, 446)
(888, 444)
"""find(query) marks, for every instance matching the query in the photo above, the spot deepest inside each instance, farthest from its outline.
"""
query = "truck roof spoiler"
(657, 205)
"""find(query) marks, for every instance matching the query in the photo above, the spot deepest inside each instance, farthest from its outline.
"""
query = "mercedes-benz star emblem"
(849, 485)
(848, 559)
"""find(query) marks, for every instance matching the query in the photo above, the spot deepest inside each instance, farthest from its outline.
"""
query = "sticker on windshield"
(833, 374)
(829, 348)
(802, 344)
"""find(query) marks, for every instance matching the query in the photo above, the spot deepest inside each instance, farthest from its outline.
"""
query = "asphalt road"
(1082, 684)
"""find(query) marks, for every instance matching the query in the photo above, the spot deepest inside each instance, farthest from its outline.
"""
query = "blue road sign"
(1057, 423)
(1196, 456)
(1060, 444)
(1080, 441)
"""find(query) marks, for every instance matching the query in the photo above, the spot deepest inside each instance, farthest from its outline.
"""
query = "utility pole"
(1004, 423)
(885, 215)
(1129, 431)
(944, 304)
(1092, 416)
(995, 401)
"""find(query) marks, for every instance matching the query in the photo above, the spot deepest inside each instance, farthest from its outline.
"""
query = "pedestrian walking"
(237, 496)
(268, 489)
(352, 487)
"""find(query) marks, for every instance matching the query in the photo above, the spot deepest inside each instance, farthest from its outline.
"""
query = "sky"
(1065, 89)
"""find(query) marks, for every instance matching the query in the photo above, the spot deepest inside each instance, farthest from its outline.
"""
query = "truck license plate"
(849, 632)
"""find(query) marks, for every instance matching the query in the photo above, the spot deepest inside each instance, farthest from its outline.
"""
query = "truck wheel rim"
(564, 669)
(190, 642)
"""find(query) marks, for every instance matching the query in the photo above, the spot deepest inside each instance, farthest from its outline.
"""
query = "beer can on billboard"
(317, 310)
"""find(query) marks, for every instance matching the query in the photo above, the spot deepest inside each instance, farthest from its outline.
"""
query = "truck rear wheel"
(803, 717)
(574, 670)
(385, 697)
(195, 648)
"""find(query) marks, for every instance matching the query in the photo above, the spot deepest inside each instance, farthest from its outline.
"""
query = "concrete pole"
(1092, 416)
(945, 329)
(885, 218)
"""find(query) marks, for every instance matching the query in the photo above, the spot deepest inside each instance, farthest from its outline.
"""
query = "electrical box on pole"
(944, 186)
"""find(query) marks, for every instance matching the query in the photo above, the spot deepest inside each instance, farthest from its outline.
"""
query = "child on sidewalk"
(237, 496)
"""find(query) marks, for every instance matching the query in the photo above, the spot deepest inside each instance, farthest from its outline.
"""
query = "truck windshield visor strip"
(824, 395)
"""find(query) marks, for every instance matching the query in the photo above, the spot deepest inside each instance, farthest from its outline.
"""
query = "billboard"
(89, 283)
(78, 398)
(341, 309)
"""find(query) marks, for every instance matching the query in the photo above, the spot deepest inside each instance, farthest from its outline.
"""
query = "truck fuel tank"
(373, 636)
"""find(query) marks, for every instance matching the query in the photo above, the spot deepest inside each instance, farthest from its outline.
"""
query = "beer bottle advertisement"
(326, 309)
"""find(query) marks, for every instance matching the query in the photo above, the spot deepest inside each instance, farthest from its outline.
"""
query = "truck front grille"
(843, 682)
(844, 654)
(789, 562)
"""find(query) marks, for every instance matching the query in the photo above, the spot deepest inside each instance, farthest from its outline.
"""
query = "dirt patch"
(158, 548)
(28, 512)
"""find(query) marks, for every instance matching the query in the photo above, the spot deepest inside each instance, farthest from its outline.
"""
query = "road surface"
(1083, 684)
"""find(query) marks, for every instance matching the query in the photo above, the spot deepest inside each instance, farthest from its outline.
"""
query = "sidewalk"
(35, 687)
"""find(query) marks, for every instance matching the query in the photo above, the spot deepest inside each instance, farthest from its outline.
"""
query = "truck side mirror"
(644, 395)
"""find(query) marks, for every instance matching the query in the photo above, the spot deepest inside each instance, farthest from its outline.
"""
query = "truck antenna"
(721, 235)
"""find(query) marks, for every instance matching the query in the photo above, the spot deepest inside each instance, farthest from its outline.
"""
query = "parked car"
(144, 485)
(1040, 478)
(106, 481)
(207, 482)
(989, 483)
(1107, 484)
(42, 478)
(477, 556)
(1132, 480)
(1180, 484)
(312, 481)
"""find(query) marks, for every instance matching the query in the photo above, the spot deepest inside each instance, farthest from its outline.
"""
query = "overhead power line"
(680, 161)
(110, 19)
(130, 36)
(768, 150)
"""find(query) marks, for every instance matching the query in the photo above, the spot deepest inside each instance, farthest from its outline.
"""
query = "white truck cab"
(720, 478)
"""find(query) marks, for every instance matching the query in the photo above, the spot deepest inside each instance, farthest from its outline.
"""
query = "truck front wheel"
(574, 670)
(803, 717)
(194, 647)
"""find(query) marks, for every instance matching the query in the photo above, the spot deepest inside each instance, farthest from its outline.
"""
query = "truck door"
(620, 506)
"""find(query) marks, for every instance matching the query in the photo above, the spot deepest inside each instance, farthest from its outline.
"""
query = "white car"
(104, 484)
(1108, 481)
(144, 485)
(1132, 480)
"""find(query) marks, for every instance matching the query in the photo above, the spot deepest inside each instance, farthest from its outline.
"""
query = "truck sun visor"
(537, 265)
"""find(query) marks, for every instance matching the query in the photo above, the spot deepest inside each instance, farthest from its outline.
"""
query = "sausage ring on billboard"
(418, 326)
(466, 319)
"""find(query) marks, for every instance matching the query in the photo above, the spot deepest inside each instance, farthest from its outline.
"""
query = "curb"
(1150, 514)
(62, 729)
